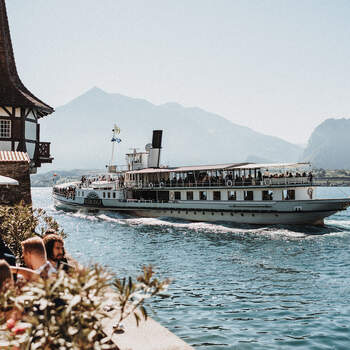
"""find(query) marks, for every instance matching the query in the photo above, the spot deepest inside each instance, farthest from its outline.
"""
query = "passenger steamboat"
(244, 193)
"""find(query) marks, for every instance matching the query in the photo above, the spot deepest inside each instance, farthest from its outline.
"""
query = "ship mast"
(116, 131)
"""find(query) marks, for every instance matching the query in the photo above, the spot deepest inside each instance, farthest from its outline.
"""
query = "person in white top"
(34, 255)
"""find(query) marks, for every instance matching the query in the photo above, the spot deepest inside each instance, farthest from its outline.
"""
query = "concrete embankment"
(149, 335)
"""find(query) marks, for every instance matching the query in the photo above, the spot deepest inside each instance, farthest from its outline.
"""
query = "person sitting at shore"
(34, 255)
(54, 246)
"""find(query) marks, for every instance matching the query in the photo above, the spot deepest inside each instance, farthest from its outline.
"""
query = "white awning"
(230, 166)
(4, 180)
(186, 168)
(272, 166)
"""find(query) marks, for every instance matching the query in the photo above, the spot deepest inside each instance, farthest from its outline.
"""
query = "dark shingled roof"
(12, 91)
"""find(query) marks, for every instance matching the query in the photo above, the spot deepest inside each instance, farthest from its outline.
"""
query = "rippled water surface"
(235, 287)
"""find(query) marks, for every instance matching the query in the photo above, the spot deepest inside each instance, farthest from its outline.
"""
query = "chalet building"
(20, 110)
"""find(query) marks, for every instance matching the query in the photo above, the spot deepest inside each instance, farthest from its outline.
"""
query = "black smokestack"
(157, 139)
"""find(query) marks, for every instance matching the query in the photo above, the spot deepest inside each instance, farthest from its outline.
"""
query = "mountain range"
(80, 134)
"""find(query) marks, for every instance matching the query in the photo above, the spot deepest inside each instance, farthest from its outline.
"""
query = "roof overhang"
(252, 166)
(227, 167)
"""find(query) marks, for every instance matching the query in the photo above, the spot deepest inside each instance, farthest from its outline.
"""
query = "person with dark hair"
(5, 274)
(6, 253)
(54, 246)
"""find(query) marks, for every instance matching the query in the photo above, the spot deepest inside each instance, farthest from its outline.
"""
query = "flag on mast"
(116, 129)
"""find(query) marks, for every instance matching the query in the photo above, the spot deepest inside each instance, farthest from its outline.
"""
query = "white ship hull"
(305, 212)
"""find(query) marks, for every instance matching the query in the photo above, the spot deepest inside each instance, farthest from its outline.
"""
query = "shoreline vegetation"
(67, 311)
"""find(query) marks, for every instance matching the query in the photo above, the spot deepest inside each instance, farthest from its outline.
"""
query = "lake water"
(234, 287)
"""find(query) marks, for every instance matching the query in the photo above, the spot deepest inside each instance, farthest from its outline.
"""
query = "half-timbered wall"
(23, 131)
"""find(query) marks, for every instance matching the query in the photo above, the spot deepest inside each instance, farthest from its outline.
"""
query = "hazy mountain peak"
(95, 91)
(329, 145)
(191, 135)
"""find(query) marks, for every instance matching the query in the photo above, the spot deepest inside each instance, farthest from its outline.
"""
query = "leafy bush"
(67, 312)
(20, 222)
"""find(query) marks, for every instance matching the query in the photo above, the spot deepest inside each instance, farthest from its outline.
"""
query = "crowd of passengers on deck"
(203, 179)
(87, 181)
(68, 192)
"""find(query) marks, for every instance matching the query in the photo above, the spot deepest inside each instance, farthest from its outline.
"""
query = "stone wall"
(18, 170)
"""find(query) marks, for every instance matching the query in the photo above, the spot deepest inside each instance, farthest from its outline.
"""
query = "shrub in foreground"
(67, 312)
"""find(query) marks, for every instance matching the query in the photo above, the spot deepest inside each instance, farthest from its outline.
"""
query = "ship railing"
(286, 181)
(228, 183)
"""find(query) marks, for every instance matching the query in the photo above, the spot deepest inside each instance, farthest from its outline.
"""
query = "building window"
(248, 195)
(5, 128)
(189, 196)
(203, 195)
(232, 195)
(178, 195)
(216, 195)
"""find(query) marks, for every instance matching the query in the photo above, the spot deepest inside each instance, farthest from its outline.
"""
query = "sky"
(280, 67)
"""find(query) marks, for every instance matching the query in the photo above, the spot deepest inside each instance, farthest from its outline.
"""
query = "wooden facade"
(20, 110)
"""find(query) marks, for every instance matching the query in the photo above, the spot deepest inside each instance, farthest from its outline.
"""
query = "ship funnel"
(154, 152)
(157, 139)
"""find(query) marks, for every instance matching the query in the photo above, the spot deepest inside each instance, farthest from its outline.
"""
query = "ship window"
(232, 195)
(189, 196)
(5, 128)
(216, 195)
(203, 195)
(289, 195)
(109, 194)
(113, 194)
(104, 194)
(248, 195)
(178, 195)
(267, 195)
